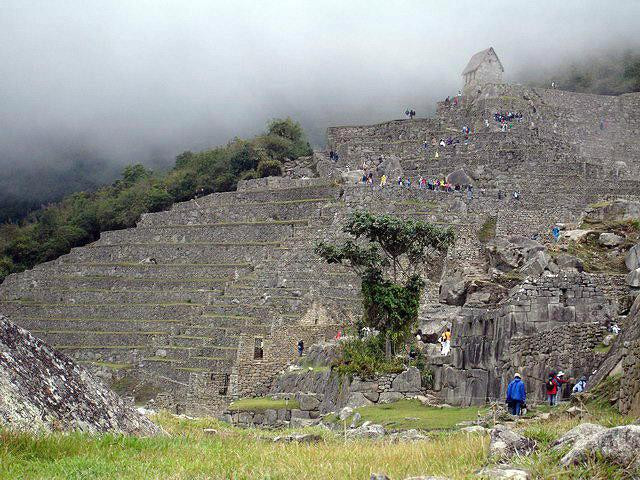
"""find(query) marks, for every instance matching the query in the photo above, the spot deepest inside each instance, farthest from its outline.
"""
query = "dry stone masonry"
(206, 302)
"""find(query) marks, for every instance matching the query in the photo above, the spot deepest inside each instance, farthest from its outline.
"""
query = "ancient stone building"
(207, 300)
(483, 68)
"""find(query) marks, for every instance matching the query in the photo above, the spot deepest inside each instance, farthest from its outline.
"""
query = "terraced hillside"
(208, 300)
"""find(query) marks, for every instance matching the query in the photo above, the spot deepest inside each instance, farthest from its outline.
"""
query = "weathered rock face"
(576, 434)
(506, 443)
(506, 254)
(43, 390)
(546, 323)
(632, 259)
(609, 239)
(618, 445)
(623, 357)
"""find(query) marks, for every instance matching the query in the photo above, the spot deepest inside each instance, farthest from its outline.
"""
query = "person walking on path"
(555, 231)
(516, 395)
(383, 181)
(300, 348)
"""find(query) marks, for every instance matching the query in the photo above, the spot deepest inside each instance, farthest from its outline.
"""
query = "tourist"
(383, 181)
(552, 389)
(300, 348)
(406, 112)
(580, 386)
(399, 181)
(420, 180)
(615, 329)
(516, 395)
(425, 146)
(445, 342)
(560, 381)
(408, 182)
(555, 231)
(469, 192)
(335, 157)
(331, 155)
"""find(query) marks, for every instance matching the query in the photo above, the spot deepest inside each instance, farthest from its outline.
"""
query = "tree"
(269, 168)
(390, 255)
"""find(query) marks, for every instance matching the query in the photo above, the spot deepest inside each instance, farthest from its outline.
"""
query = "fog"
(117, 82)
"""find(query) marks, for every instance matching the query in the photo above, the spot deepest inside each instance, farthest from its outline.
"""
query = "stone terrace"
(208, 300)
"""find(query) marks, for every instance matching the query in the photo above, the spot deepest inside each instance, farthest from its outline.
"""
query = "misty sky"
(140, 81)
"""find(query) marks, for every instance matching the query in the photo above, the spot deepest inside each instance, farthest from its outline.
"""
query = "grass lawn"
(260, 404)
(406, 414)
(188, 453)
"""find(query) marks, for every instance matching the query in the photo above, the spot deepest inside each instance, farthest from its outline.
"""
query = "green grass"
(112, 366)
(487, 231)
(187, 452)
(260, 404)
(405, 414)
(602, 348)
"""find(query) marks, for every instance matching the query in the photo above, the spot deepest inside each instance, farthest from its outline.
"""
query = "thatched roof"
(478, 58)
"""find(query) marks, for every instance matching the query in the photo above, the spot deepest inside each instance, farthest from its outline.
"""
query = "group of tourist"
(457, 99)
(410, 113)
(554, 387)
(422, 184)
(333, 156)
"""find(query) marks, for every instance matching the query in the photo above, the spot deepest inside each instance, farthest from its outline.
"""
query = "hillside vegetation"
(611, 73)
(79, 218)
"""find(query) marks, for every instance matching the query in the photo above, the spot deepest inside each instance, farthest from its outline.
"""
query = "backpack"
(549, 385)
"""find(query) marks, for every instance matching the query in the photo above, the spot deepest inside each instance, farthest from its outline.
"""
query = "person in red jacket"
(552, 389)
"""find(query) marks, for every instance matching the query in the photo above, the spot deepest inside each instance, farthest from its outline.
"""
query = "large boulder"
(537, 264)
(407, 381)
(632, 259)
(459, 177)
(619, 445)
(633, 278)
(609, 239)
(569, 262)
(582, 432)
(506, 443)
(508, 254)
(43, 390)
(453, 290)
(357, 400)
(391, 167)
(366, 430)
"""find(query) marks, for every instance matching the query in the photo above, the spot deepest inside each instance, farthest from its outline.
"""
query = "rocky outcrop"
(619, 445)
(632, 259)
(546, 322)
(577, 434)
(505, 443)
(42, 390)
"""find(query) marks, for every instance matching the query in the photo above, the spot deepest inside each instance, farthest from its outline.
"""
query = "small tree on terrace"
(390, 255)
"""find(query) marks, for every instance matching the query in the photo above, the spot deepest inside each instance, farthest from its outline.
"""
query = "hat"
(517, 375)
(561, 373)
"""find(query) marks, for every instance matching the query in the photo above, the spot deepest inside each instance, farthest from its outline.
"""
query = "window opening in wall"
(258, 349)
(225, 384)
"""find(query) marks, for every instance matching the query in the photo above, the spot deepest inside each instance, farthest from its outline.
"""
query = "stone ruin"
(42, 390)
(206, 302)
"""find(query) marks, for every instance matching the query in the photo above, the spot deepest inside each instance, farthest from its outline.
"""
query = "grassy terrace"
(302, 221)
(260, 404)
(230, 453)
(406, 414)
(171, 244)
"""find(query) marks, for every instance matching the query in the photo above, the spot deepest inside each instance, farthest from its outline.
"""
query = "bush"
(269, 168)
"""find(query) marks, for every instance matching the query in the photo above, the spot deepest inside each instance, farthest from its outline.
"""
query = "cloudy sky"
(142, 80)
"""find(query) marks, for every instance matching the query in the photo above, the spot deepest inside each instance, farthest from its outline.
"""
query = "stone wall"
(318, 392)
(566, 310)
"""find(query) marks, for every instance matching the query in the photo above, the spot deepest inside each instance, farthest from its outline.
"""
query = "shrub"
(269, 168)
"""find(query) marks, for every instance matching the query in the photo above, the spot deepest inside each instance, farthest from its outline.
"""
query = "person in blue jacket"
(516, 394)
